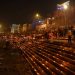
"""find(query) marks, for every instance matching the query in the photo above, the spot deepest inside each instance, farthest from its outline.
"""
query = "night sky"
(22, 11)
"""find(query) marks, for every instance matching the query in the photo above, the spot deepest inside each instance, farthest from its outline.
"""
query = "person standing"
(46, 35)
(69, 36)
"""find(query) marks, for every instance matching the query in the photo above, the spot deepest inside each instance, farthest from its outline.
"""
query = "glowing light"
(43, 64)
(37, 16)
(35, 70)
(46, 62)
(61, 65)
(63, 6)
(53, 61)
(47, 68)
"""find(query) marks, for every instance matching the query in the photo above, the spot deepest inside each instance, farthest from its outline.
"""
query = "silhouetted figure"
(69, 36)
(46, 35)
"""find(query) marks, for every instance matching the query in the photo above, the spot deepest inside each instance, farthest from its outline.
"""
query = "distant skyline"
(22, 11)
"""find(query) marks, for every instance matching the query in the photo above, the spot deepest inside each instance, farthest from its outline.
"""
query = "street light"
(37, 16)
(65, 5)
(63, 8)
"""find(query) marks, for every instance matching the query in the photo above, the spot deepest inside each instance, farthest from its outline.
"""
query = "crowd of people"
(18, 39)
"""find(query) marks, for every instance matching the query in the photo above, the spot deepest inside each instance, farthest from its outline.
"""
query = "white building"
(15, 28)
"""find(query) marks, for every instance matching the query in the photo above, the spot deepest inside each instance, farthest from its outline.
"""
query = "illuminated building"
(24, 27)
(41, 27)
(15, 28)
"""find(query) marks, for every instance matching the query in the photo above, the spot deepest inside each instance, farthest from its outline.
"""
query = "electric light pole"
(64, 8)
